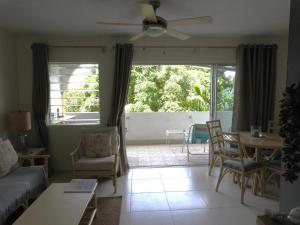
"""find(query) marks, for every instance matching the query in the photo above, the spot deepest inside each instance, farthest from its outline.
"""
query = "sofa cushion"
(12, 196)
(249, 164)
(33, 177)
(8, 157)
(88, 164)
(98, 145)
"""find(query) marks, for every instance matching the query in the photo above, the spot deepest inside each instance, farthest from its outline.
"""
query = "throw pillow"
(98, 145)
(8, 157)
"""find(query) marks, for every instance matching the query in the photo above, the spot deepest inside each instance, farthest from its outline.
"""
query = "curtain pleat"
(40, 90)
(254, 87)
(123, 63)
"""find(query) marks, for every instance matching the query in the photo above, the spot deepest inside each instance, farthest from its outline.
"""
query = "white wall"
(289, 193)
(150, 127)
(60, 146)
(8, 88)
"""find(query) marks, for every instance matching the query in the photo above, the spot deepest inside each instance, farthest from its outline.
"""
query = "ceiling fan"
(155, 26)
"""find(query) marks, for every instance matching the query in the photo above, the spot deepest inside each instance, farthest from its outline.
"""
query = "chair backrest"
(229, 140)
(198, 133)
(115, 138)
(214, 131)
(273, 127)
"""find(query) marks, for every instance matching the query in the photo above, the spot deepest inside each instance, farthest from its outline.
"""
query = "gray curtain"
(123, 62)
(254, 86)
(40, 90)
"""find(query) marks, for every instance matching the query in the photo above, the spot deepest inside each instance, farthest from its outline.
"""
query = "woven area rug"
(109, 210)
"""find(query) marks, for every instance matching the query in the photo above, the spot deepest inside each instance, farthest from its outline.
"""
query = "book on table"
(80, 186)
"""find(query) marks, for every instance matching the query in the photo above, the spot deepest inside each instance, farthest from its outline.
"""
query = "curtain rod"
(138, 46)
(179, 46)
(78, 46)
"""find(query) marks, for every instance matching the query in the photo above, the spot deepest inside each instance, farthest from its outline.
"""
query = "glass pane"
(225, 94)
(163, 102)
(74, 93)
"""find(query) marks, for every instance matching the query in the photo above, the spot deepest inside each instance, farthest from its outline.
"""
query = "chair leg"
(222, 174)
(115, 183)
(256, 183)
(212, 164)
(243, 187)
(262, 181)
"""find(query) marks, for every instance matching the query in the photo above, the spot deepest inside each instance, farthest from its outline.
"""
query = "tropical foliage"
(85, 97)
(177, 88)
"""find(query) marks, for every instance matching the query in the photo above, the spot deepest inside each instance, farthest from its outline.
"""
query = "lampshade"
(20, 121)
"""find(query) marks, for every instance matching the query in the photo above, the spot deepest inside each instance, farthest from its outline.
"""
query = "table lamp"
(20, 122)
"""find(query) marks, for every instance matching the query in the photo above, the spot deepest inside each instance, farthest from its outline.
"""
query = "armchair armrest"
(117, 162)
(75, 155)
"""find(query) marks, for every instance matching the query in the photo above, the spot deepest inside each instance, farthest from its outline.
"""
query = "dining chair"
(198, 134)
(241, 166)
(214, 130)
(272, 170)
(273, 128)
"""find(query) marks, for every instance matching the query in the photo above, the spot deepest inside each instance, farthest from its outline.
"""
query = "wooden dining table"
(267, 141)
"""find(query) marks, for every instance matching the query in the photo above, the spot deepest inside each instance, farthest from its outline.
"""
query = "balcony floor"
(166, 155)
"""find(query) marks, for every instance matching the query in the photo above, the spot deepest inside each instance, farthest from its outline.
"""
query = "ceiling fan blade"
(148, 12)
(137, 36)
(190, 21)
(117, 24)
(177, 34)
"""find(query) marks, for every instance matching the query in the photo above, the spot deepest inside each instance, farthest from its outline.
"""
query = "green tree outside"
(176, 88)
(86, 99)
(158, 88)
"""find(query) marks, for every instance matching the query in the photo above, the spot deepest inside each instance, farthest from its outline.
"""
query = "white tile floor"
(183, 196)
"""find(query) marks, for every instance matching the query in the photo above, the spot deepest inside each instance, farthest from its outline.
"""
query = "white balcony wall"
(150, 127)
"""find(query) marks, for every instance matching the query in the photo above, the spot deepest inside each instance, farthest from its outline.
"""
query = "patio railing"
(150, 127)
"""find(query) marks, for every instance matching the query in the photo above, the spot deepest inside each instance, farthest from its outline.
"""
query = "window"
(169, 88)
(74, 93)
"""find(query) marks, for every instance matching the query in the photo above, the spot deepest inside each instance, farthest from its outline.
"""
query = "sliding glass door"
(225, 77)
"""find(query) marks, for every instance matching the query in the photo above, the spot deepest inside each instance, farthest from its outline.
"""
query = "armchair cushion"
(98, 145)
(88, 164)
(249, 164)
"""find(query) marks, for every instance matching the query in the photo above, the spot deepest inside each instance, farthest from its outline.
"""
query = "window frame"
(68, 121)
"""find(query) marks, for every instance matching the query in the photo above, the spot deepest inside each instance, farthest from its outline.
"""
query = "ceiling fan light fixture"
(155, 30)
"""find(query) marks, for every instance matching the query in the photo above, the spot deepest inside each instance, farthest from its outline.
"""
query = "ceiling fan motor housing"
(155, 29)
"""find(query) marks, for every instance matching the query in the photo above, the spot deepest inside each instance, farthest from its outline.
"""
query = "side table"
(30, 156)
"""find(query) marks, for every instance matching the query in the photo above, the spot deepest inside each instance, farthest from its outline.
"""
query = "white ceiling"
(78, 17)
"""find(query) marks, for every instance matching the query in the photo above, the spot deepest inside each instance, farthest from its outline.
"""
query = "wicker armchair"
(105, 162)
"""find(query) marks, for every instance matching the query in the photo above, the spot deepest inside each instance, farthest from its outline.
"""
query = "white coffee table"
(54, 207)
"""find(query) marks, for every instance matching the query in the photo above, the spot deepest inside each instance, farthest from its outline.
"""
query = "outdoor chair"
(241, 166)
(198, 134)
(97, 155)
